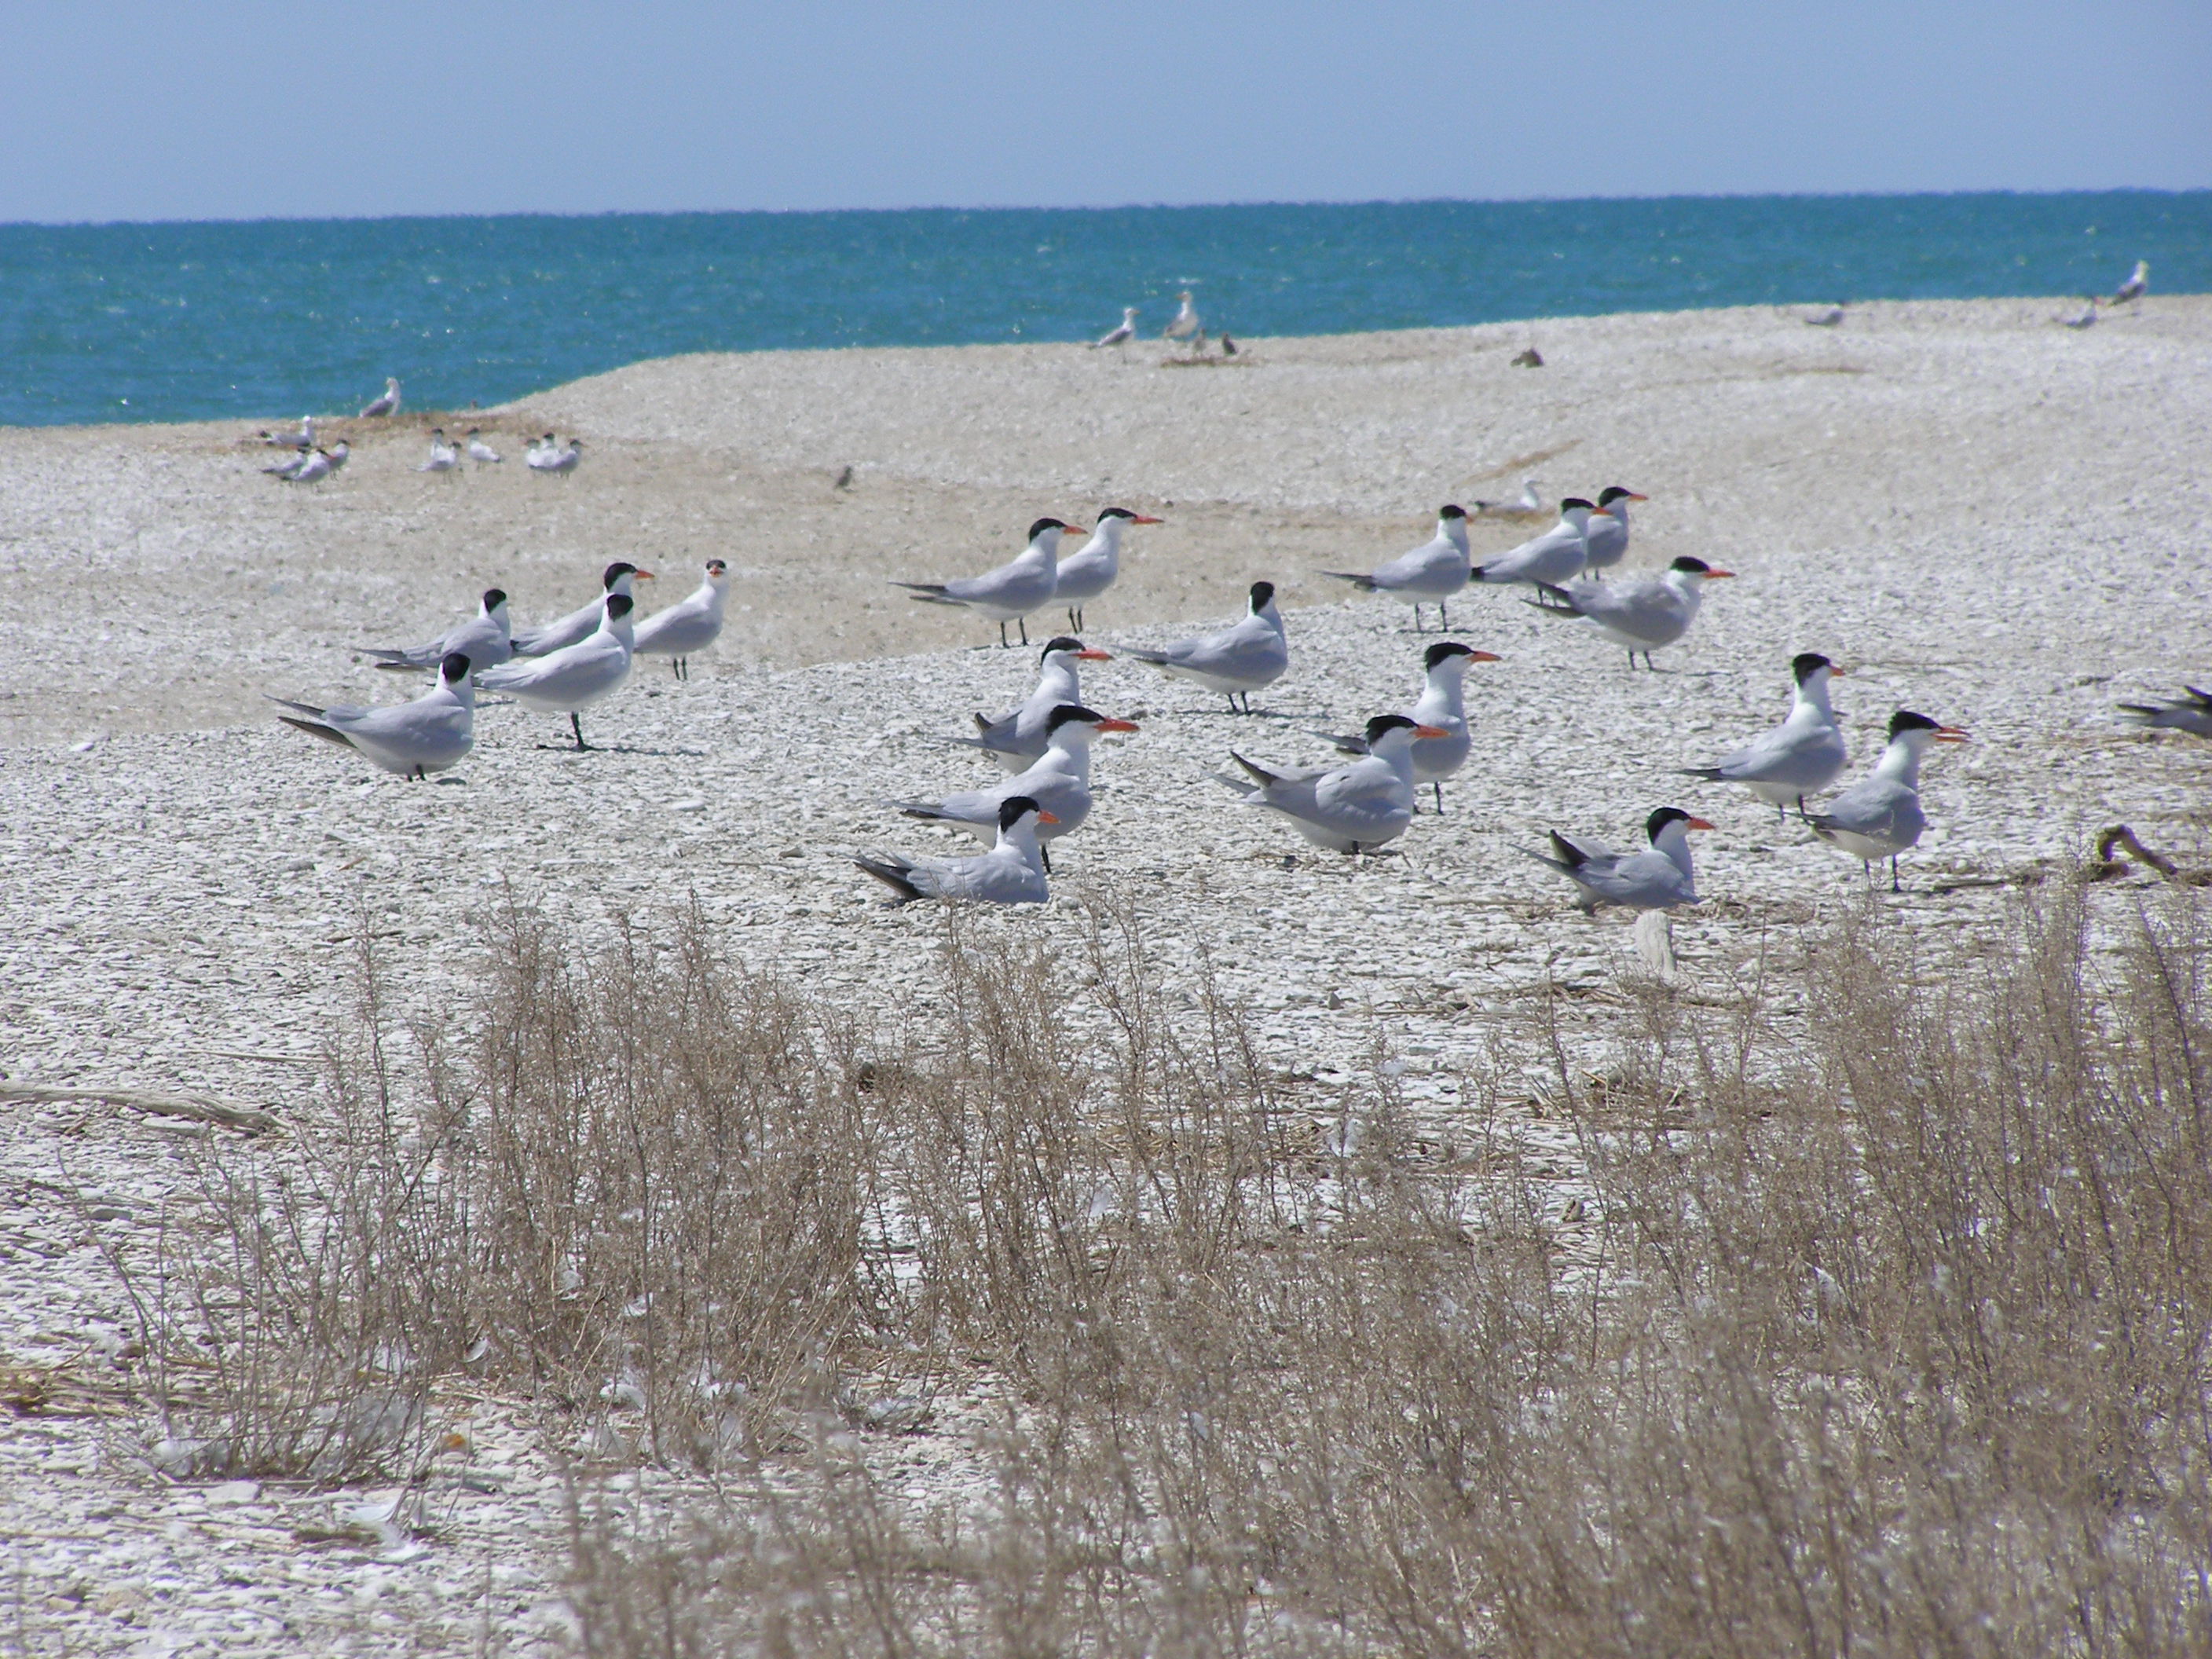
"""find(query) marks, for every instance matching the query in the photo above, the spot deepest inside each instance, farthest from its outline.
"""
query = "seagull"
(1241, 658)
(1008, 594)
(1441, 704)
(1120, 335)
(1802, 756)
(1643, 615)
(688, 626)
(414, 738)
(573, 678)
(1060, 781)
(1092, 567)
(1606, 542)
(583, 622)
(480, 451)
(1554, 557)
(313, 468)
(388, 404)
(1185, 325)
(444, 457)
(485, 639)
(2190, 713)
(1526, 506)
(1830, 317)
(1431, 573)
(1657, 878)
(2085, 318)
(2135, 288)
(1353, 808)
(1015, 739)
(1011, 873)
(1879, 816)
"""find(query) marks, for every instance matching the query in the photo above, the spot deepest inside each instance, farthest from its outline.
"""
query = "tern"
(1554, 557)
(1528, 505)
(583, 622)
(2192, 712)
(1442, 705)
(1827, 316)
(1015, 739)
(573, 678)
(299, 458)
(388, 404)
(313, 468)
(1120, 335)
(485, 639)
(1659, 877)
(480, 451)
(1879, 816)
(1185, 325)
(550, 457)
(1802, 756)
(1606, 542)
(1093, 567)
(688, 626)
(1060, 781)
(2085, 318)
(303, 439)
(340, 451)
(1242, 658)
(1009, 594)
(2135, 288)
(1011, 873)
(1643, 615)
(444, 457)
(1353, 808)
(1429, 574)
(414, 738)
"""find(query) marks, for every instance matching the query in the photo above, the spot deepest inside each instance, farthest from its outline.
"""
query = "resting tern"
(1059, 780)
(2192, 712)
(1554, 557)
(550, 457)
(1442, 705)
(1527, 506)
(1122, 335)
(1008, 594)
(1605, 544)
(1643, 615)
(444, 457)
(480, 451)
(1015, 739)
(292, 462)
(1185, 325)
(1657, 878)
(1429, 574)
(2135, 288)
(1092, 567)
(312, 468)
(1353, 808)
(573, 678)
(1802, 756)
(485, 639)
(1245, 657)
(1011, 873)
(690, 625)
(414, 738)
(388, 404)
(303, 439)
(1879, 816)
(583, 622)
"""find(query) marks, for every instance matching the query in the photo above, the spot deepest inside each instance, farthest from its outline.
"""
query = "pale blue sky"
(113, 111)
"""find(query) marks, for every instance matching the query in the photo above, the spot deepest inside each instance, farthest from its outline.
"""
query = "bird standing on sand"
(573, 678)
(2135, 288)
(1185, 326)
(1015, 739)
(550, 457)
(581, 622)
(1008, 594)
(1880, 816)
(1554, 557)
(486, 640)
(1443, 706)
(1242, 658)
(1011, 873)
(412, 739)
(688, 626)
(1657, 878)
(1354, 808)
(1605, 536)
(1429, 574)
(388, 404)
(1120, 335)
(480, 451)
(312, 468)
(1643, 615)
(1802, 756)
(444, 457)
(1094, 567)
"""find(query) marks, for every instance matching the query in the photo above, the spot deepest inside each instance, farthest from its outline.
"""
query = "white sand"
(1985, 516)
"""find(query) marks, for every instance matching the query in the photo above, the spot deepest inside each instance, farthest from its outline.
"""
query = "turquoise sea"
(268, 320)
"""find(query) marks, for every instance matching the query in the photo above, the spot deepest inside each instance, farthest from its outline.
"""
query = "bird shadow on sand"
(613, 748)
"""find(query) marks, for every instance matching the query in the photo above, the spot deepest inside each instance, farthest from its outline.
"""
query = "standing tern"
(1015, 739)
(1093, 567)
(1060, 781)
(1643, 615)
(1242, 658)
(1659, 877)
(485, 639)
(1802, 756)
(1443, 706)
(1880, 816)
(1554, 557)
(299, 458)
(1353, 808)
(388, 404)
(1429, 574)
(480, 451)
(690, 625)
(2191, 712)
(1122, 335)
(1606, 542)
(583, 622)
(573, 678)
(1185, 326)
(444, 457)
(1011, 873)
(312, 468)
(339, 453)
(1527, 505)
(2135, 288)
(414, 738)
(1009, 594)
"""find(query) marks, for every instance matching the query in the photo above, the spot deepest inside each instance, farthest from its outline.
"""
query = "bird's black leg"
(1045, 853)
(1023, 623)
(1438, 784)
(577, 726)
(1443, 619)
(1893, 887)
(1002, 637)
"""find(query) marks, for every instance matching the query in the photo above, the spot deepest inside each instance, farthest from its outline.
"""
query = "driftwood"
(200, 1108)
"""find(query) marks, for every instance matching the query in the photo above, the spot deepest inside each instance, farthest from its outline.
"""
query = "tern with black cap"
(1059, 780)
(1442, 705)
(1011, 873)
(1645, 614)
(1238, 660)
(1605, 535)
(1429, 574)
(484, 640)
(413, 739)
(1024, 584)
(1096, 565)
(573, 678)
(690, 625)
(1015, 739)
(1554, 557)
(1802, 756)
(1355, 808)
(1880, 816)
(1658, 877)
(584, 621)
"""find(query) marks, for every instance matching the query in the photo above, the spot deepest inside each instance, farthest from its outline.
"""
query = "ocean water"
(269, 319)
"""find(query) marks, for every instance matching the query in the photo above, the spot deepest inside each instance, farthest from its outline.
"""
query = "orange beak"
(1951, 734)
(1695, 824)
(1634, 497)
(1044, 816)
(1484, 656)
(1719, 575)
(1117, 726)
(1141, 518)
(1431, 731)
(1091, 653)
(642, 576)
